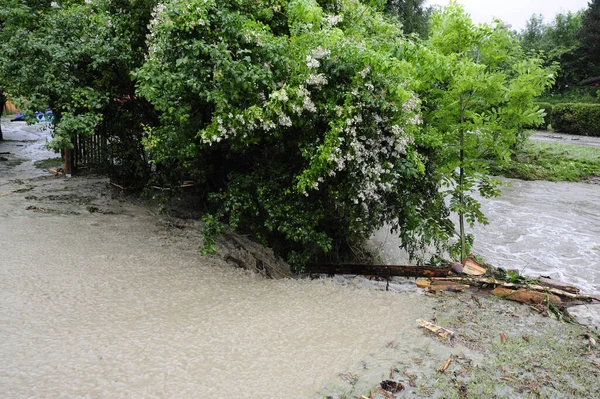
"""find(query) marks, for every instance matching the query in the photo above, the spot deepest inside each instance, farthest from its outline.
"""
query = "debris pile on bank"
(542, 293)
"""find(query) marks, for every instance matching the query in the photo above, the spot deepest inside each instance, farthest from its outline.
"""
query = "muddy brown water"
(116, 304)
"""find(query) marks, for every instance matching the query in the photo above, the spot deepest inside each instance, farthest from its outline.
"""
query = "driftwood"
(447, 286)
(558, 284)
(437, 330)
(526, 296)
(533, 287)
(378, 270)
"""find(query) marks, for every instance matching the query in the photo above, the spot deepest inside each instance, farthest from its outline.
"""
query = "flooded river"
(111, 303)
(536, 227)
(545, 228)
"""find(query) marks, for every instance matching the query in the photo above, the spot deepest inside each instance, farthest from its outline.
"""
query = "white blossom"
(415, 120)
(410, 105)
(268, 125)
(332, 20)
(365, 71)
(312, 62)
(309, 105)
(280, 95)
(320, 53)
(285, 120)
(317, 80)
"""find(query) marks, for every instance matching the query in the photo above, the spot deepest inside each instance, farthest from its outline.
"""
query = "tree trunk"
(378, 270)
(461, 182)
(2, 104)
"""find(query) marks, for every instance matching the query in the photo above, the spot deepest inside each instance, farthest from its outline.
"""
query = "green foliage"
(546, 108)
(582, 119)
(75, 58)
(302, 135)
(478, 89)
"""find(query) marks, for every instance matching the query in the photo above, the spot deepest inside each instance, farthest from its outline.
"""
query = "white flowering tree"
(297, 119)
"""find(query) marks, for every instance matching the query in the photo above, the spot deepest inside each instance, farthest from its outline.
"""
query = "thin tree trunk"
(461, 195)
(2, 104)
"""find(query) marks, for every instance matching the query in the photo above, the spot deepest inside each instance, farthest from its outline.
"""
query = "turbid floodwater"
(103, 298)
(537, 227)
(113, 303)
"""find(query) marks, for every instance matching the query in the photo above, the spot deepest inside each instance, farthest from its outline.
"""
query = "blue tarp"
(47, 116)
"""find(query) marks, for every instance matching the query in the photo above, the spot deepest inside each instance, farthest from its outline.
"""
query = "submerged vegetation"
(552, 161)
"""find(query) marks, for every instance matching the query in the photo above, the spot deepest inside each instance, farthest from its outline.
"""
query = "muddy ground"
(102, 296)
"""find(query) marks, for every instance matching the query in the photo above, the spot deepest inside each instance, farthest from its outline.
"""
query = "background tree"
(589, 36)
(533, 36)
(558, 43)
(412, 15)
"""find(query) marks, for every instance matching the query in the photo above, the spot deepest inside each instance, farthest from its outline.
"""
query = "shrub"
(582, 119)
(299, 124)
(311, 124)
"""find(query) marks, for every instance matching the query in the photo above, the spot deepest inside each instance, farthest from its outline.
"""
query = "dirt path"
(102, 298)
(589, 141)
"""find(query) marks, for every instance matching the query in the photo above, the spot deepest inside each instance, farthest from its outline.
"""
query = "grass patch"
(553, 162)
(11, 162)
(48, 163)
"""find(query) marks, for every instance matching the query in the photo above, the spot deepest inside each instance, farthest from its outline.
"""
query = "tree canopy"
(589, 34)
(307, 124)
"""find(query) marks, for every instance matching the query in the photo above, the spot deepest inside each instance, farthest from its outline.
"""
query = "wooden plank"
(378, 270)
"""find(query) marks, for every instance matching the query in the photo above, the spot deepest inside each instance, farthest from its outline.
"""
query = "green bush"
(582, 119)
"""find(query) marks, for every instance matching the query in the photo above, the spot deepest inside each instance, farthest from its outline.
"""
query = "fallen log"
(534, 287)
(378, 270)
(526, 296)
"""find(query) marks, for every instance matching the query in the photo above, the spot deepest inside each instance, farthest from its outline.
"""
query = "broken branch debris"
(441, 331)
